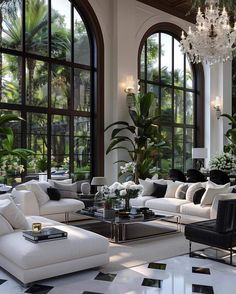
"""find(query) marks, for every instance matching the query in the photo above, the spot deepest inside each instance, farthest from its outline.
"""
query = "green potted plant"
(141, 139)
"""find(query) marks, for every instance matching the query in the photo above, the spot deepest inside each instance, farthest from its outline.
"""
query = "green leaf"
(114, 143)
(116, 123)
(5, 118)
(146, 103)
(116, 131)
(231, 118)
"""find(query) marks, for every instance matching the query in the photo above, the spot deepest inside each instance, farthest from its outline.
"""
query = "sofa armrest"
(214, 207)
(27, 201)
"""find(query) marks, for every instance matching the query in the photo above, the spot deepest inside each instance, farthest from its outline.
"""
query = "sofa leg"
(66, 217)
(231, 256)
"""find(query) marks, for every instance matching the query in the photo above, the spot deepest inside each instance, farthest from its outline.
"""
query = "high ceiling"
(178, 8)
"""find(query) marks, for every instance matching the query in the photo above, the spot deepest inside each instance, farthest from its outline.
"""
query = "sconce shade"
(199, 153)
(99, 181)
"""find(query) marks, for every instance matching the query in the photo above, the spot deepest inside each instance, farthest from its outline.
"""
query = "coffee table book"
(46, 234)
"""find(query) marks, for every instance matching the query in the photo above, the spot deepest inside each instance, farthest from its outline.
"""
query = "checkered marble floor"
(178, 275)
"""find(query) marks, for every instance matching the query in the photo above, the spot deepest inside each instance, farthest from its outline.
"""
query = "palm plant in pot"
(141, 139)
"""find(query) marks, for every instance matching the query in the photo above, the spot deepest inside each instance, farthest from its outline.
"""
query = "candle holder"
(36, 227)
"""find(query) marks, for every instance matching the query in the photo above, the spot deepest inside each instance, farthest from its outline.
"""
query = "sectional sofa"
(30, 262)
(184, 205)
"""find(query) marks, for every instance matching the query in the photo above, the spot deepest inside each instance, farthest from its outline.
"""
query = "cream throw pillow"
(192, 189)
(40, 195)
(66, 181)
(210, 193)
(5, 227)
(67, 190)
(171, 188)
(148, 187)
(13, 214)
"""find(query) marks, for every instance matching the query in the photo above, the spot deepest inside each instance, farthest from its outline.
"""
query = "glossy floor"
(178, 275)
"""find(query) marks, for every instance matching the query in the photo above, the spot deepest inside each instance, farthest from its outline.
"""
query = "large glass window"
(48, 77)
(164, 70)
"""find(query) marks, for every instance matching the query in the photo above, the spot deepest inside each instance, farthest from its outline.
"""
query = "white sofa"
(30, 262)
(63, 210)
(186, 209)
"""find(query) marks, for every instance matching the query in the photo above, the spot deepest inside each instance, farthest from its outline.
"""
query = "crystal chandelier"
(213, 40)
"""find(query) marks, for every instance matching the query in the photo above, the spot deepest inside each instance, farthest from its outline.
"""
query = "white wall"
(123, 23)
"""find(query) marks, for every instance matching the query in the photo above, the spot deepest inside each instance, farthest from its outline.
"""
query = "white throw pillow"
(148, 187)
(192, 189)
(66, 181)
(67, 190)
(13, 214)
(5, 227)
(40, 195)
(44, 185)
(210, 184)
(181, 191)
(210, 193)
(171, 189)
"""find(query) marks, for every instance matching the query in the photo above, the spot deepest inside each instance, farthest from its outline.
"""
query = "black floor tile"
(201, 270)
(39, 289)
(202, 289)
(105, 277)
(2, 281)
(157, 265)
(152, 283)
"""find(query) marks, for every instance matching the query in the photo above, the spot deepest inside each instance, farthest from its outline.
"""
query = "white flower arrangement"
(127, 189)
(223, 161)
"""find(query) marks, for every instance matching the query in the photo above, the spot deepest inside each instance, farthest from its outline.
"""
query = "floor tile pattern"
(176, 275)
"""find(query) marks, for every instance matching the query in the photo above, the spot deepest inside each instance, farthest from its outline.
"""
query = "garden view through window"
(164, 70)
(47, 78)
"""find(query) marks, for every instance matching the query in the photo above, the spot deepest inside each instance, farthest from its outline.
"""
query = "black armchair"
(219, 177)
(194, 176)
(219, 232)
(177, 175)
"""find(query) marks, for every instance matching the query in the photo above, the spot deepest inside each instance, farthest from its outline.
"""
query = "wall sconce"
(217, 104)
(129, 90)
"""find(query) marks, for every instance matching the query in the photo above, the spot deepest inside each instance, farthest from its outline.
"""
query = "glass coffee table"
(125, 228)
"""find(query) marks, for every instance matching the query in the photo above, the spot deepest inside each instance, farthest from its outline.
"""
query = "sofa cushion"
(5, 227)
(40, 195)
(159, 190)
(210, 193)
(198, 196)
(62, 206)
(53, 194)
(181, 191)
(192, 189)
(67, 190)
(171, 188)
(44, 185)
(27, 255)
(196, 210)
(13, 214)
(66, 181)
(166, 204)
(140, 201)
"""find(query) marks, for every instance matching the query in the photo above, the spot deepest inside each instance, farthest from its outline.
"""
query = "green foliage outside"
(231, 134)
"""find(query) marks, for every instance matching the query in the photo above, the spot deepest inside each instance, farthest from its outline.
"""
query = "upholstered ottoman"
(29, 262)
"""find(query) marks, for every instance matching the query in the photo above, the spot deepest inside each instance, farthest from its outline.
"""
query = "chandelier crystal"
(213, 39)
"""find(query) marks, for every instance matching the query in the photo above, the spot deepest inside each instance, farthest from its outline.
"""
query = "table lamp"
(99, 182)
(199, 154)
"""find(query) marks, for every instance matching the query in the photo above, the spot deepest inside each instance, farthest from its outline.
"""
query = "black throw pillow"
(53, 194)
(198, 195)
(233, 190)
(159, 190)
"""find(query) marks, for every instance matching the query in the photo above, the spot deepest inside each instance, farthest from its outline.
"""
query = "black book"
(45, 234)
(45, 240)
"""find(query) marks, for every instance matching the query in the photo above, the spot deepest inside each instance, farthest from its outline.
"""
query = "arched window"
(164, 70)
(50, 72)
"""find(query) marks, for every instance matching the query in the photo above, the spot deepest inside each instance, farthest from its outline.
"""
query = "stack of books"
(46, 234)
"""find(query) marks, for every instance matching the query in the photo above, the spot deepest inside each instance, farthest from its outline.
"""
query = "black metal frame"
(95, 69)
(172, 30)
